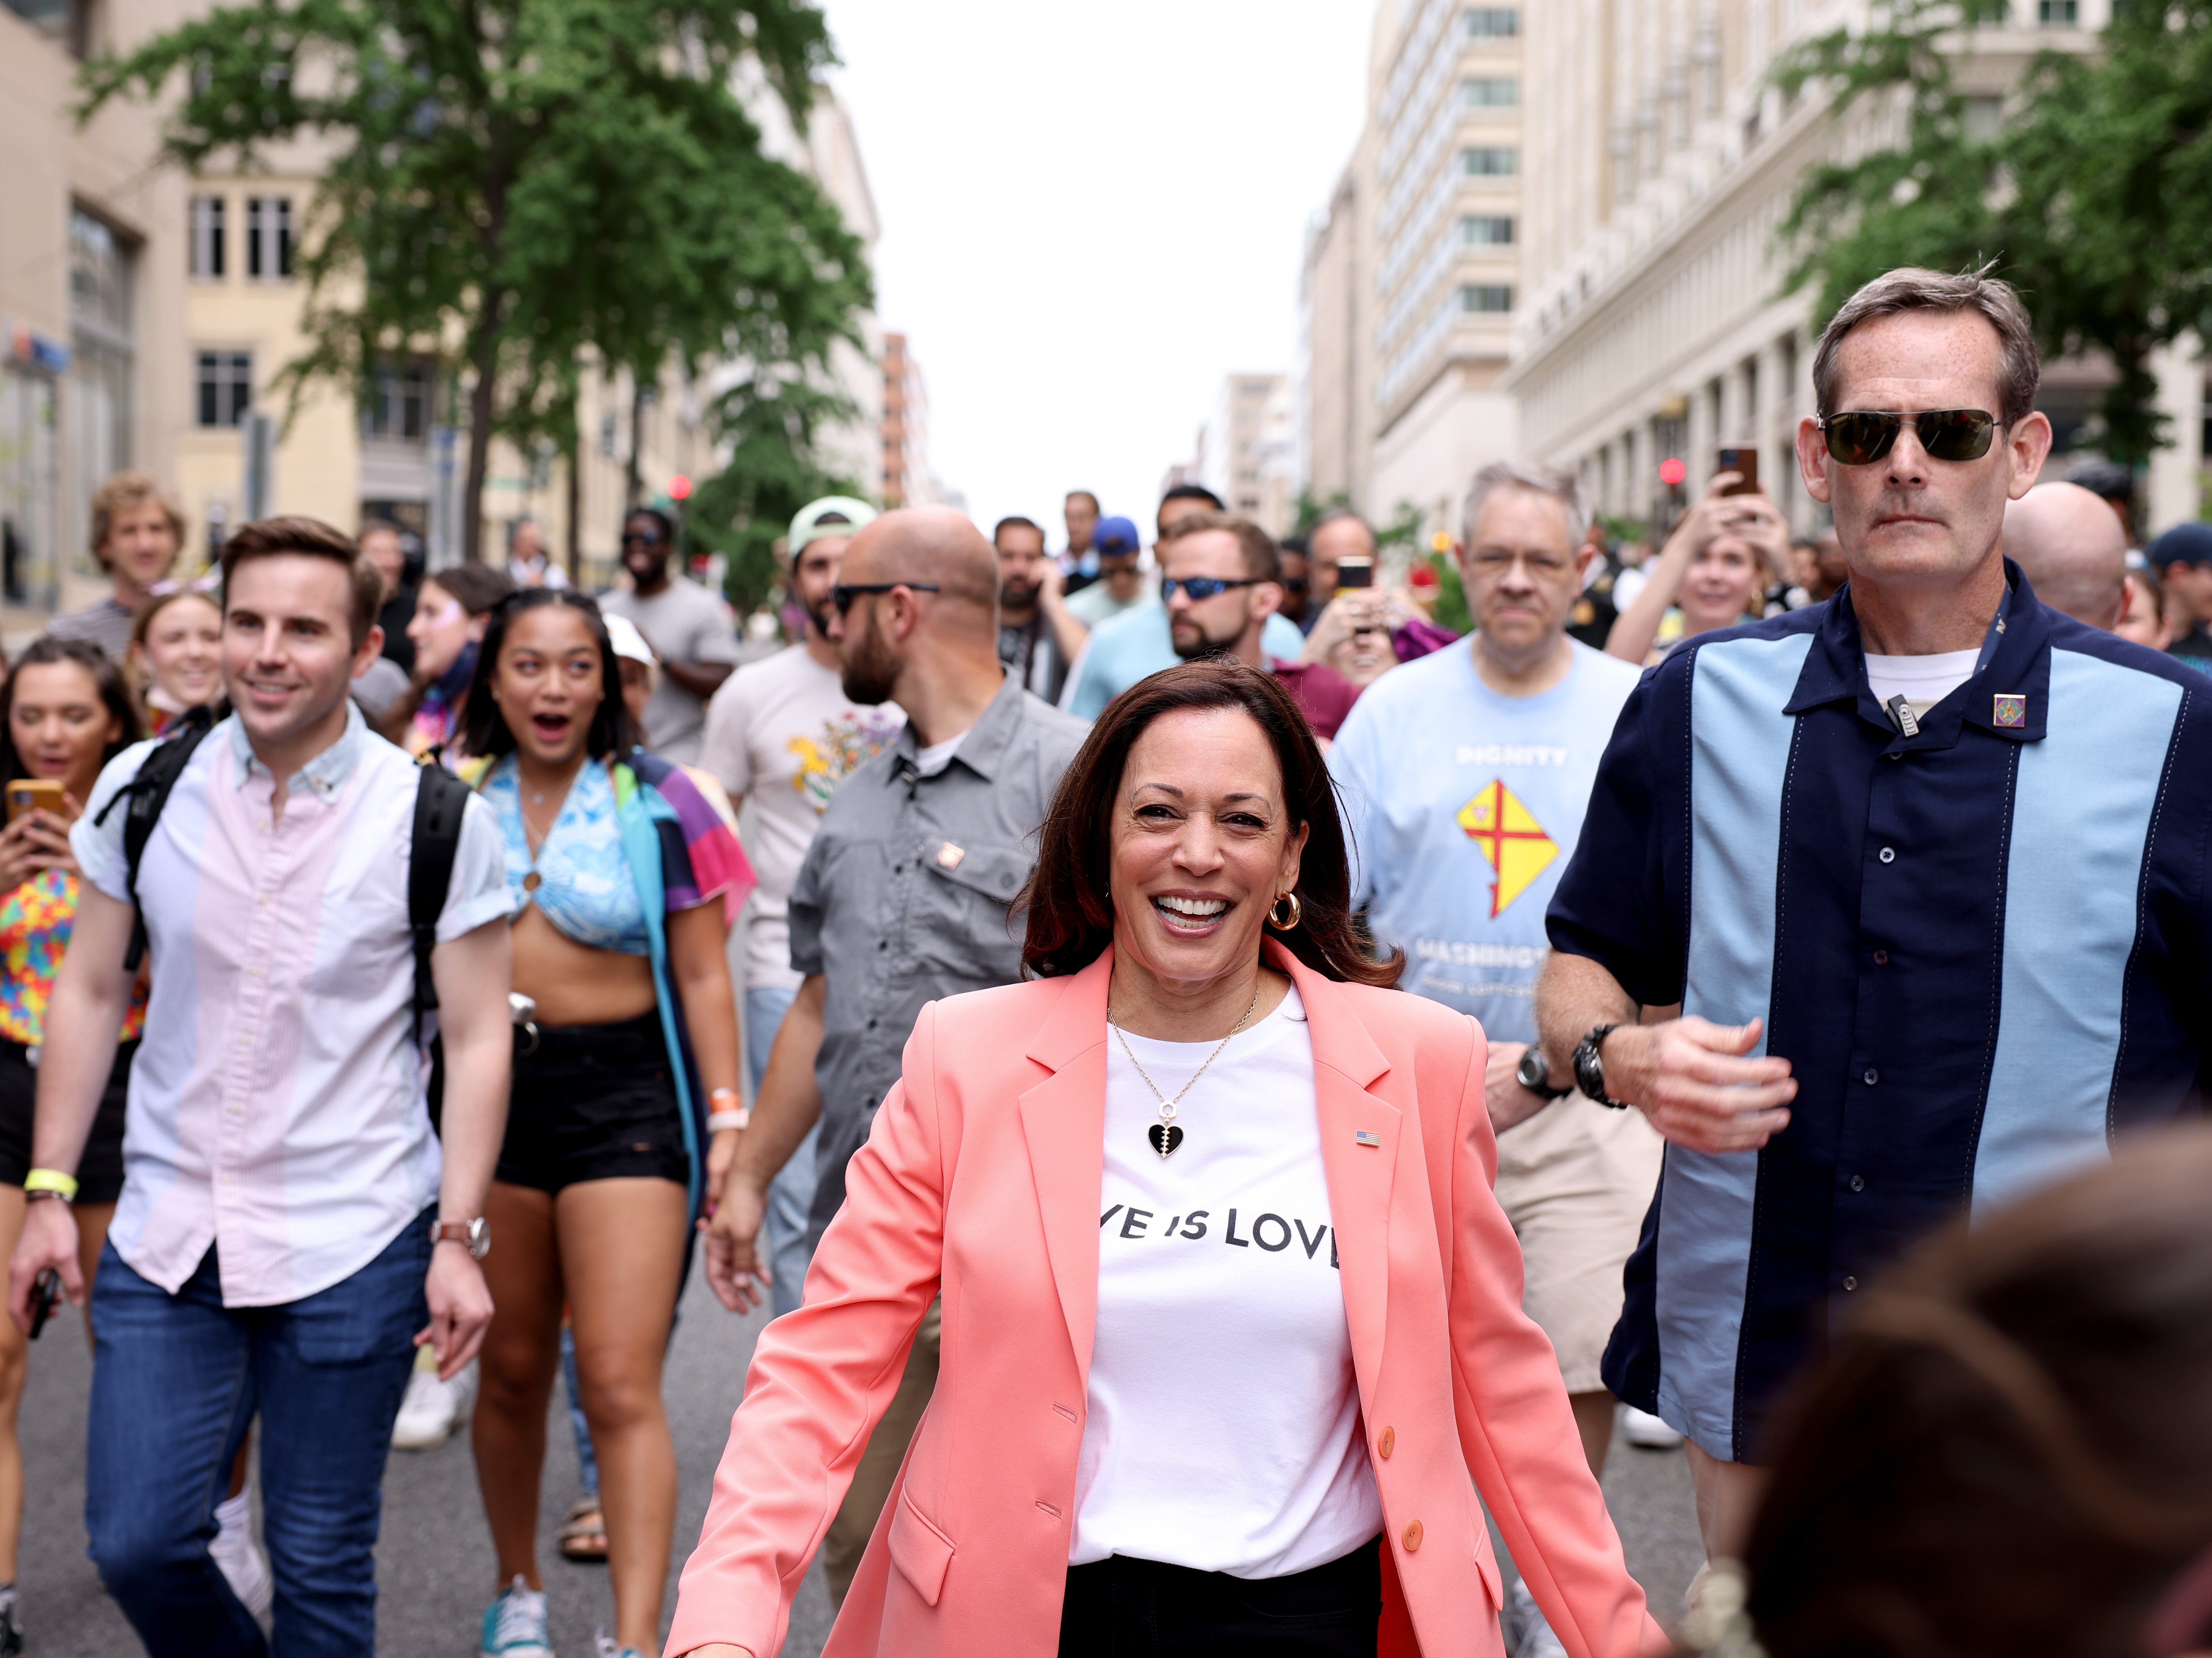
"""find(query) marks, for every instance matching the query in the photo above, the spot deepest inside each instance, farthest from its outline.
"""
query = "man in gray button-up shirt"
(904, 897)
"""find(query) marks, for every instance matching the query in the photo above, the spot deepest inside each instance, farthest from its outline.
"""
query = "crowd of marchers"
(1228, 1088)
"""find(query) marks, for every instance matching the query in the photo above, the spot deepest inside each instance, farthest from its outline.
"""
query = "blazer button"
(1413, 1537)
(1386, 1444)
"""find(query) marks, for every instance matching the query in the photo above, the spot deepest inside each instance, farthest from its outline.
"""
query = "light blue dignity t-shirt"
(1464, 806)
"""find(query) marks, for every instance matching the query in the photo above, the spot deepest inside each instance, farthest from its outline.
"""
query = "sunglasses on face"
(1864, 435)
(1200, 588)
(1296, 584)
(844, 594)
(642, 538)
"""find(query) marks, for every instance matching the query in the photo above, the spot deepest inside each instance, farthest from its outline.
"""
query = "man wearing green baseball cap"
(783, 730)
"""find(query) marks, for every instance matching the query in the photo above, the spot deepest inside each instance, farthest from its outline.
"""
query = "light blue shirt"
(1464, 806)
(1127, 647)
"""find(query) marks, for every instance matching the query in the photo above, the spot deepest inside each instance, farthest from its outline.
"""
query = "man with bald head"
(2073, 551)
(904, 898)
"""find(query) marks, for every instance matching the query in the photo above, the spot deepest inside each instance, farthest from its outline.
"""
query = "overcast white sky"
(1090, 213)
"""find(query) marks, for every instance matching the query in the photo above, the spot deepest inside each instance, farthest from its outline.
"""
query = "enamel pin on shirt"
(2008, 711)
(1365, 1138)
(949, 856)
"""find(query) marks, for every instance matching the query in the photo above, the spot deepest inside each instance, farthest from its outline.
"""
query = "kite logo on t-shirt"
(1510, 838)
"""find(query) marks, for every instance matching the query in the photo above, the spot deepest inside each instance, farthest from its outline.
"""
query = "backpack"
(440, 801)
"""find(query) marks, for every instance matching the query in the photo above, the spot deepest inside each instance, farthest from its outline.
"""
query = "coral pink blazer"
(981, 1181)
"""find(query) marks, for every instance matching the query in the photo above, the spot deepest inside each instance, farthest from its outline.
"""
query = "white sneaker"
(1646, 1431)
(1527, 1633)
(244, 1567)
(514, 1624)
(433, 1409)
(608, 1650)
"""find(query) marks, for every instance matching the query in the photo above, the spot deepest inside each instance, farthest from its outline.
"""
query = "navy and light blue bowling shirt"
(1983, 949)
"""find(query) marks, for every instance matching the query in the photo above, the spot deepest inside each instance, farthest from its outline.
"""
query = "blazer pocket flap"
(918, 1549)
(996, 872)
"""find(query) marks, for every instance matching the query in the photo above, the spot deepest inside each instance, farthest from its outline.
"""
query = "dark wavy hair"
(114, 695)
(484, 728)
(1069, 899)
(2010, 1450)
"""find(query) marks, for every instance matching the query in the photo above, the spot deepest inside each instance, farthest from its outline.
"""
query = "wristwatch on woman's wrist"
(1535, 1074)
(1589, 1067)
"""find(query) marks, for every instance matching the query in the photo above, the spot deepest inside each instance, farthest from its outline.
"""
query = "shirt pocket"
(969, 928)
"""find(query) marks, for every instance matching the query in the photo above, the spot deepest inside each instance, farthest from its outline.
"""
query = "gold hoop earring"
(1284, 924)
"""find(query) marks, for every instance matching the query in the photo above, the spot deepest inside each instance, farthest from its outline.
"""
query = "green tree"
(772, 426)
(523, 186)
(2090, 187)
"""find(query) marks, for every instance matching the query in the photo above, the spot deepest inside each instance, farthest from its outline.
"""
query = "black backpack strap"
(441, 800)
(147, 793)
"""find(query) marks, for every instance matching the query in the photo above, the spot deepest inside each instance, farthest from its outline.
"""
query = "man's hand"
(1511, 1105)
(1686, 1077)
(461, 1307)
(721, 1151)
(735, 1271)
(48, 1239)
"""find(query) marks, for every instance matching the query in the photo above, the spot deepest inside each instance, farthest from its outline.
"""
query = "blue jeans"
(791, 1194)
(175, 1381)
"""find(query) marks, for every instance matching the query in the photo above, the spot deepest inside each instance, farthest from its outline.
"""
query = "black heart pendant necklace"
(1167, 1134)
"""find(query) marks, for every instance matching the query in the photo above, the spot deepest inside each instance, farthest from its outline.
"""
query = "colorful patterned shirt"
(35, 922)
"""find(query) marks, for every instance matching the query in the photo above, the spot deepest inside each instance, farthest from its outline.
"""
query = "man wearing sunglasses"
(687, 627)
(1887, 909)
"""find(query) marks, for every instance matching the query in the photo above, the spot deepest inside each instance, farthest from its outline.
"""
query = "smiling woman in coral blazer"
(1230, 1315)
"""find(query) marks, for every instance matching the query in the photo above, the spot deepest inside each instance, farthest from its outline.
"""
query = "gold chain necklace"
(1166, 1135)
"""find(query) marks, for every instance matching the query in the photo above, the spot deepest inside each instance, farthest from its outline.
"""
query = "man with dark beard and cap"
(783, 731)
(903, 899)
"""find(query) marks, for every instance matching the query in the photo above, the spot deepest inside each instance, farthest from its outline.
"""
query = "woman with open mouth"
(623, 879)
(1232, 1325)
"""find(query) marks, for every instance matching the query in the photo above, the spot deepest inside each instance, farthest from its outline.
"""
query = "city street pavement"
(435, 1561)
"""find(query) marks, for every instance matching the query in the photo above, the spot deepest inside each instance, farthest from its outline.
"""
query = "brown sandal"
(584, 1538)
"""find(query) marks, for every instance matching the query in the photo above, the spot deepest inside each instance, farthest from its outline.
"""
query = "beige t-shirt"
(784, 731)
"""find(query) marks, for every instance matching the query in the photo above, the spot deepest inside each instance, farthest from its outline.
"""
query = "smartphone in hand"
(1744, 461)
(46, 1297)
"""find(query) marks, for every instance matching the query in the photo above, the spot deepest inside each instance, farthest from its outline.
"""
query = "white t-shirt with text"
(1224, 1426)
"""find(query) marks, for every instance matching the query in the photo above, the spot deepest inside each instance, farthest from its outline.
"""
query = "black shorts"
(99, 1171)
(592, 1101)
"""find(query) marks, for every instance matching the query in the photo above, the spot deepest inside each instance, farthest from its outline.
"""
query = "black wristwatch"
(1535, 1074)
(1589, 1067)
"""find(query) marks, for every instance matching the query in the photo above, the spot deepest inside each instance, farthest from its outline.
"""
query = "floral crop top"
(36, 919)
(580, 878)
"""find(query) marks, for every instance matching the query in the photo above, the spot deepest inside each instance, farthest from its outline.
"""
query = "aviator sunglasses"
(1864, 435)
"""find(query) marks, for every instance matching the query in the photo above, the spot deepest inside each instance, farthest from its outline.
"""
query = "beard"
(1197, 645)
(817, 615)
(868, 669)
(1015, 597)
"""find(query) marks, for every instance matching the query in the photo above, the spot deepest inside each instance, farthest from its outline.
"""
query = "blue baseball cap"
(1114, 536)
(2185, 544)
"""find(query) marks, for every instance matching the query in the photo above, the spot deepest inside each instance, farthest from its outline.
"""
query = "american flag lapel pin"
(1366, 1138)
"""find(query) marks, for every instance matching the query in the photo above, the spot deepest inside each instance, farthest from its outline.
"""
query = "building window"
(226, 387)
(399, 405)
(1490, 161)
(269, 237)
(1487, 232)
(102, 361)
(1490, 92)
(208, 238)
(1492, 23)
(1489, 298)
(2058, 14)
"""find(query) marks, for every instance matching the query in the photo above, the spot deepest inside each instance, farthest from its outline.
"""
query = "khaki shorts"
(1575, 1180)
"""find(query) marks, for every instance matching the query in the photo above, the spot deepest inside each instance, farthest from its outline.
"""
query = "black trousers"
(1126, 1608)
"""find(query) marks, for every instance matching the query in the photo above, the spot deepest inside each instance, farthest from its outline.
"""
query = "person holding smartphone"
(1711, 575)
(621, 876)
(64, 714)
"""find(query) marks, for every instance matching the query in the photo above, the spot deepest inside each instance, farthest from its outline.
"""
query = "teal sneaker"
(514, 1624)
(608, 1650)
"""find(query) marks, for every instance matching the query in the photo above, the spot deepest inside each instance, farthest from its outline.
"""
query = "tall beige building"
(93, 362)
(1246, 450)
(1412, 277)
(1652, 323)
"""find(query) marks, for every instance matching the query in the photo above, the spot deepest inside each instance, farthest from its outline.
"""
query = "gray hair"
(1538, 478)
(1912, 289)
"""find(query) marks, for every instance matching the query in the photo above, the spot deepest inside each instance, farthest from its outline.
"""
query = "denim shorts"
(592, 1101)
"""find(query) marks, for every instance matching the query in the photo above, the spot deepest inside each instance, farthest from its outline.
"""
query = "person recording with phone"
(1711, 574)
(65, 713)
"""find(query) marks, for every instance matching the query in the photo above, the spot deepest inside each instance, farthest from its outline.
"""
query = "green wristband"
(50, 1179)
